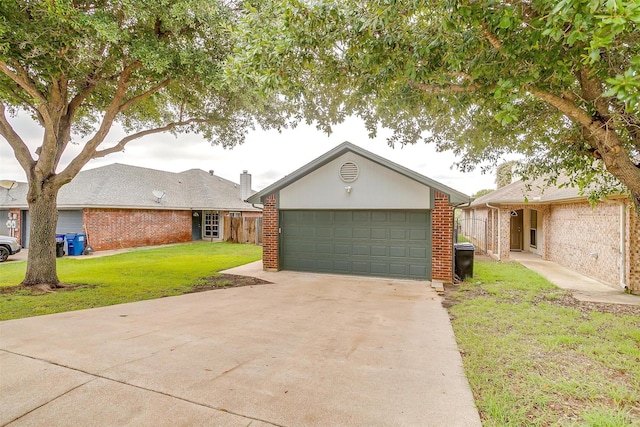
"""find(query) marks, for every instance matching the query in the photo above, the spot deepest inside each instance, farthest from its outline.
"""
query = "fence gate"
(475, 231)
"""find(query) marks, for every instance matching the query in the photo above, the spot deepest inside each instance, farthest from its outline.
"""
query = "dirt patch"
(222, 281)
(42, 289)
(452, 294)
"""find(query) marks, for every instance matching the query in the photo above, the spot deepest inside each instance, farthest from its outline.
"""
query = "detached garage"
(353, 212)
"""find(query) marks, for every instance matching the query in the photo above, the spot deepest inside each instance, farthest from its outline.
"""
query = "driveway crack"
(95, 376)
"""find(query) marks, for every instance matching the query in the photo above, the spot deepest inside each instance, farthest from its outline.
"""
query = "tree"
(504, 173)
(80, 66)
(482, 192)
(557, 82)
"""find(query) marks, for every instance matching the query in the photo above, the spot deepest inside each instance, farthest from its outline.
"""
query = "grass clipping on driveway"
(535, 356)
(131, 276)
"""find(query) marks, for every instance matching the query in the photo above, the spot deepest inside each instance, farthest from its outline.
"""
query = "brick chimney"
(245, 185)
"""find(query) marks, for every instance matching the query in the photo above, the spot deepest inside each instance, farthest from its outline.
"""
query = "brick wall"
(270, 234)
(442, 239)
(128, 228)
(586, 240)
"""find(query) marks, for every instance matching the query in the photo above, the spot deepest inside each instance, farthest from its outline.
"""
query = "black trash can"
(59, 245)
(464, 260)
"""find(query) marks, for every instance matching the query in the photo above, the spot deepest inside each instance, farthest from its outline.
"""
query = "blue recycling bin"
(75, 243)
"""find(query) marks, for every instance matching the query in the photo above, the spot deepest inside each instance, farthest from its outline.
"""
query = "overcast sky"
(267, 155)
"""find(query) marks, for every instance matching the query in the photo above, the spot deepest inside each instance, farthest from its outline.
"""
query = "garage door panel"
(416, 234)
(343, 233)
(361, 233)
(342, 249)
(420, 253)
(379, 243)
(361, 250)
(377, 250)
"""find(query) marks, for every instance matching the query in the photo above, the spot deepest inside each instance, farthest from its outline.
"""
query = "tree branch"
(112, 110)
(22, 79)
(20, 149)
(144, 95)
(124, 141)
(453, 88)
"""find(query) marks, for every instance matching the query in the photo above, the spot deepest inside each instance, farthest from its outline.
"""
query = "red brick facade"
(128, 228)
(442, 239)
(270, 234)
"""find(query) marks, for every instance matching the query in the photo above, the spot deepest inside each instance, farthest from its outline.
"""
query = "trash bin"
(75, 243)
(59, 245)
(464, 260)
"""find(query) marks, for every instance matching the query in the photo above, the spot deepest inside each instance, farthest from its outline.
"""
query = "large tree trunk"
(41, 263)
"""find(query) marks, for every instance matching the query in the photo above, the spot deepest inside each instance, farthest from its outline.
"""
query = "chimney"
(245, 185)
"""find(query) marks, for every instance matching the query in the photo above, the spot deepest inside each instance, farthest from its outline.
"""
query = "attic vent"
(349, 172)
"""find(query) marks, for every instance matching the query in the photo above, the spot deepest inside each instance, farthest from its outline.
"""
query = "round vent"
(349, 172)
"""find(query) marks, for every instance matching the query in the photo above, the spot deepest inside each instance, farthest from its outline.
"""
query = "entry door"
(516, 230)
(211, 225)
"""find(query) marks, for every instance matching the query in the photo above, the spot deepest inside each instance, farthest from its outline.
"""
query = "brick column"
(504, 222)
(442, 239)
(270, 234)
(633, 251)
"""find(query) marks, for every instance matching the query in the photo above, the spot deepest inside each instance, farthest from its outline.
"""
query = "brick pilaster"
(270, 234)
(442, 239)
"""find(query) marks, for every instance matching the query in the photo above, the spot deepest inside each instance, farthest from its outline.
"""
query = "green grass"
(131, 276)
(534, 356)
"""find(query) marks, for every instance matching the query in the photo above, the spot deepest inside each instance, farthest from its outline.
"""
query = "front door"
(516, 230)
(211, 224)
(196, 225)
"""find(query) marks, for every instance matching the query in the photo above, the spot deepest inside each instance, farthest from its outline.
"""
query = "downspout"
(623, 246)
(499, 229)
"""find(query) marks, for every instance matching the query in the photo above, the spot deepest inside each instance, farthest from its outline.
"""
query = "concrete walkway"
(305, 350)
(582, 287)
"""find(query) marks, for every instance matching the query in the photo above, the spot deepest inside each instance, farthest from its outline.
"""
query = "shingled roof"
(535, 191)
(123, 186)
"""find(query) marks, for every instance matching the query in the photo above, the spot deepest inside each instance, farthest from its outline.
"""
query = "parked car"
(8, 246)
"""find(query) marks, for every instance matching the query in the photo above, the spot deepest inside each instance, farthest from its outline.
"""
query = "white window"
(235, 214)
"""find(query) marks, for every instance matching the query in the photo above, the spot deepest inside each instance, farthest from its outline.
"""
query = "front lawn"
(535, 356)
(127, 277)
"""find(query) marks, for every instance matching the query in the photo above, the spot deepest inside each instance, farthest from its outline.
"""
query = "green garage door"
(368, 243)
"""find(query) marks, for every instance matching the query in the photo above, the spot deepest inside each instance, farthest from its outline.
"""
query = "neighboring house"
(121, 206)
(353, 212)
(559, 225)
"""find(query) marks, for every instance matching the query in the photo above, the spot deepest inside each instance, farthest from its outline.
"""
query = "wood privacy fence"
(243, 230)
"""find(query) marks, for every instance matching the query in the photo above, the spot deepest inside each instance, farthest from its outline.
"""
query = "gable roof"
(131, 187)
(455, 197)
(536, 191)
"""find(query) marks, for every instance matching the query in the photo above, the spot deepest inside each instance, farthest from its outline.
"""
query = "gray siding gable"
(455, 197)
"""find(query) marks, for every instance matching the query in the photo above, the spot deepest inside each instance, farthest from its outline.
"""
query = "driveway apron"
(307, 349)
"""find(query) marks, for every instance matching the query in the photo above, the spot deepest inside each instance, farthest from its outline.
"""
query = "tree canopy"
(77, 67)
(555, 81)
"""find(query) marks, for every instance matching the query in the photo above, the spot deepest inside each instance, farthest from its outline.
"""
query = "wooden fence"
(243, 230)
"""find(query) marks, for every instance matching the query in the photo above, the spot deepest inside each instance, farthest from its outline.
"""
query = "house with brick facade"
(559, 225)
(353, 212)
(121, 206)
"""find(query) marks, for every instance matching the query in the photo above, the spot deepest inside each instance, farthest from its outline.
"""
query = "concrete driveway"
(309, 349)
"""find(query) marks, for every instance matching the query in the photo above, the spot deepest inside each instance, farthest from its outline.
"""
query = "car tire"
(4, 254)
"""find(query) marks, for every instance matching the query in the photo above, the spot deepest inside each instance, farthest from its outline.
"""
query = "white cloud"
(267, 155)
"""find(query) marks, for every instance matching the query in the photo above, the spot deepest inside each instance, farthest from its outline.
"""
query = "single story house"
(559, 225)
(353, 212)
(121, 206)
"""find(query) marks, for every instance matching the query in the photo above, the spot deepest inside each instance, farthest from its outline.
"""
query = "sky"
(266, 155)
